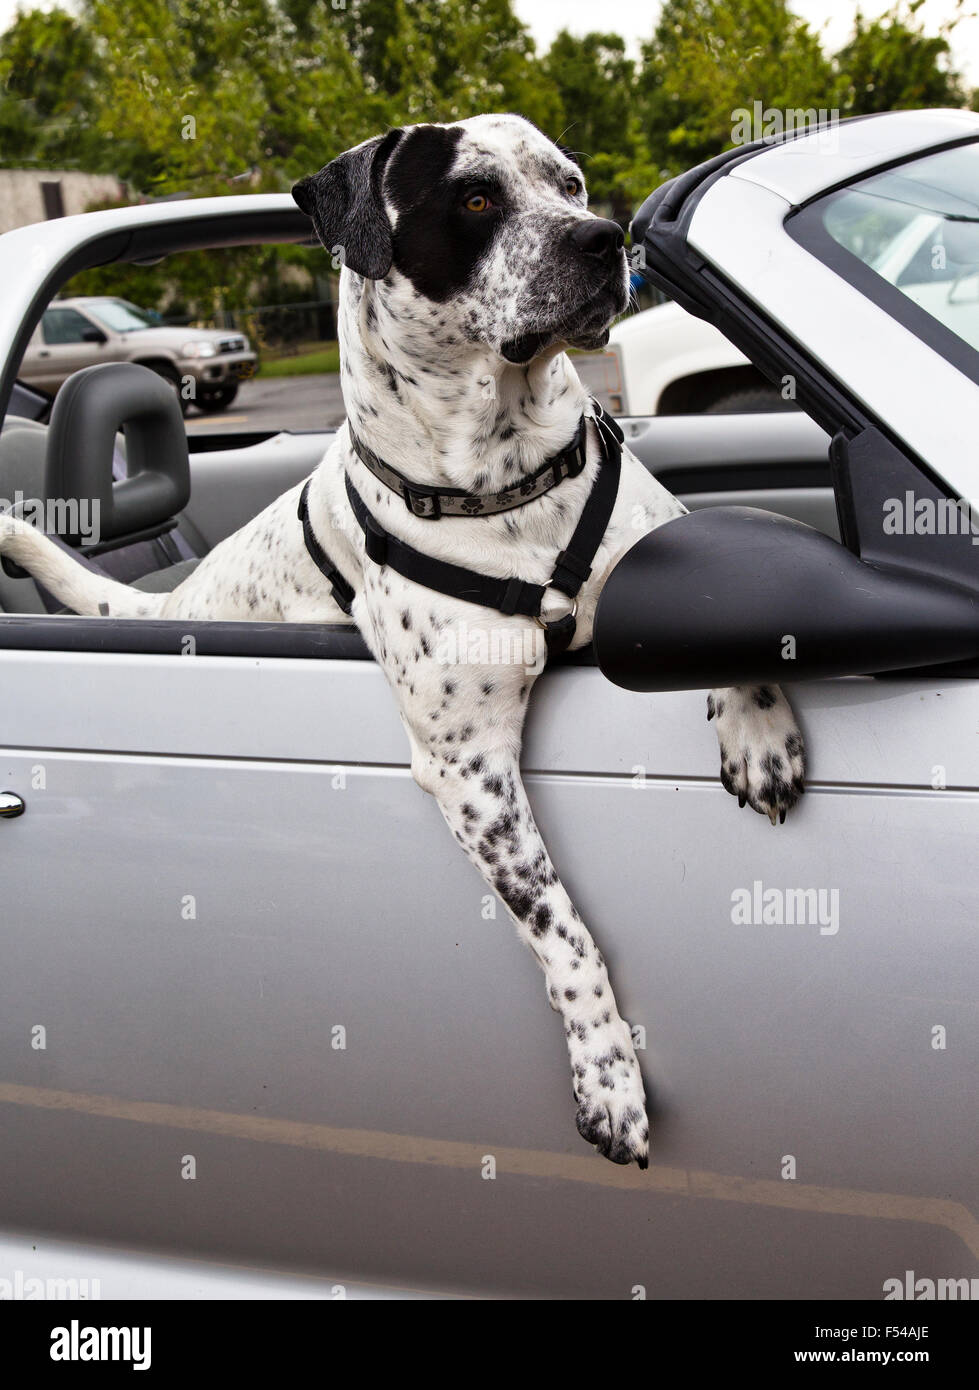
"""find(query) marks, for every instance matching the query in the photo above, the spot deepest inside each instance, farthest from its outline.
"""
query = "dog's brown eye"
(572, 187)
(477, 202)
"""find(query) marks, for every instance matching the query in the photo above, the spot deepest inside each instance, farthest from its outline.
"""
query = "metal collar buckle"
(422, 503)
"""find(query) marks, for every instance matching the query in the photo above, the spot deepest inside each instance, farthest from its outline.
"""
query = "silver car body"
(286, 1034)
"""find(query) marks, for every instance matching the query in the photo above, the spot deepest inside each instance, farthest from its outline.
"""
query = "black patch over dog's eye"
(438, 241)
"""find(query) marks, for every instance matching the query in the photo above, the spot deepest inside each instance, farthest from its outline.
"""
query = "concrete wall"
(22, 202)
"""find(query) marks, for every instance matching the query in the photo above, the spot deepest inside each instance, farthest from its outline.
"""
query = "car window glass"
(119, 316)
(917, 228)
(64, 326)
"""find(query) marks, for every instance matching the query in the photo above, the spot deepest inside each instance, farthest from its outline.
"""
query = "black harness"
(507, 596)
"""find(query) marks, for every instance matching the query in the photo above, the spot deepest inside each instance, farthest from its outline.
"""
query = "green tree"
(199, 92)
(597, 83)
(890, 64)
(708, 59)
(443, 60)
(47, 89)
(484, 59)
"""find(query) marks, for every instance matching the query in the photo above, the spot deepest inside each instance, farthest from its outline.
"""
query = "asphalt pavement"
(315, 403)
(276, 403)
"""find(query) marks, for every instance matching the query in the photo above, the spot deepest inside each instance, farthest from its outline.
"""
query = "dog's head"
(483, 225)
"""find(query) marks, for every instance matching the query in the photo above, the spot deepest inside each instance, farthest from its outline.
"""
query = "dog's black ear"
(344, 200)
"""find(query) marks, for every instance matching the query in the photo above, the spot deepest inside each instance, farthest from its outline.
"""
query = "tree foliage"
(891, 65)
(47, 90)
(209, 96)
(711, 58)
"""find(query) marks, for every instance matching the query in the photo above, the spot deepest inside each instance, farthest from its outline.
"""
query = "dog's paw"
(611, 1101)
(762, 752)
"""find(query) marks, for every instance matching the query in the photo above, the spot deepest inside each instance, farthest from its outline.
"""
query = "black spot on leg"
(542, 919)
(517, 898)
(764, 697)
(502, 828)
(406, 620)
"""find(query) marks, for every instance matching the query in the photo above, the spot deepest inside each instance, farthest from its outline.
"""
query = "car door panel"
(326, 893)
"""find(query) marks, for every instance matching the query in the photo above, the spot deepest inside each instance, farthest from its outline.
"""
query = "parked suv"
(75, 333)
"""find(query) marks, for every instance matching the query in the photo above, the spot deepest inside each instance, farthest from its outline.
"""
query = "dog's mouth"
(586, 328)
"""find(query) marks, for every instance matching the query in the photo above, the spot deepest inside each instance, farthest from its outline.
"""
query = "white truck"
(663, 361)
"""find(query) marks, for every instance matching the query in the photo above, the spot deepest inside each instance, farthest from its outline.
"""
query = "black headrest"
(89, 410)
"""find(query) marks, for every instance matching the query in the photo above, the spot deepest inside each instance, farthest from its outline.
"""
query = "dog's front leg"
(484, 803)
(465, 750)
(762, 752)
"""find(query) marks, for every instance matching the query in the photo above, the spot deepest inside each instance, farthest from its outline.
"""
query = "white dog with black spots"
(471, 263)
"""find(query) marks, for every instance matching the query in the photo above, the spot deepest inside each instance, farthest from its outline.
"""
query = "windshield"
(120, 316)
(917, 228)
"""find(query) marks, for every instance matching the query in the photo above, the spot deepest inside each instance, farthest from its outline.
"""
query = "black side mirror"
(94, 335)
(739, 596)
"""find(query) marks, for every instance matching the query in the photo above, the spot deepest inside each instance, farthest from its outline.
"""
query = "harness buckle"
(556, 622)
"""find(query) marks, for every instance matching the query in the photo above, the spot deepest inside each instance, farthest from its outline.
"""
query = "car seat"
(140, 479)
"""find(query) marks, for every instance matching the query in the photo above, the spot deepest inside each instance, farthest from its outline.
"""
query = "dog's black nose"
(597, 236)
